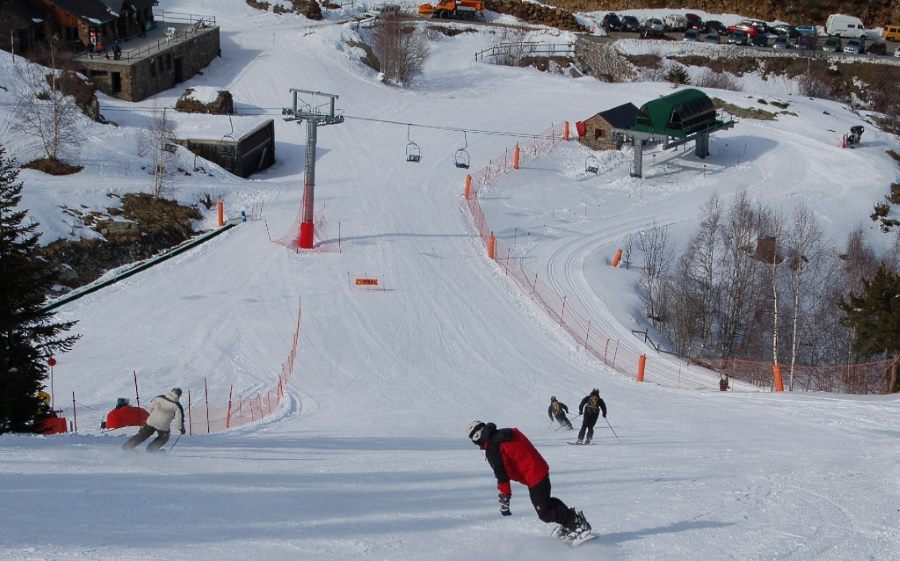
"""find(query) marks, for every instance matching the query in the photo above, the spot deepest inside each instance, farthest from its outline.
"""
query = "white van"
(841, 25)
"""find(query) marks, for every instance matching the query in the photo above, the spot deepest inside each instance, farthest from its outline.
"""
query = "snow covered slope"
(368, 458)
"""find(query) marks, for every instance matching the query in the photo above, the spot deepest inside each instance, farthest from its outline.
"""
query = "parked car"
(855, 46)
(807, 29)
(654, 26)
(787, 30)
(694, 21)
(715, 26)
(675, 22)
(897, 52)
(738, 38)
(761, 40)
(877, 48)
(744, 26)
(611, 22)
(833, 45)
(842, 25)
(712, 38)
(630, 23)
(781, 42)
(691, 35)
(891, 32)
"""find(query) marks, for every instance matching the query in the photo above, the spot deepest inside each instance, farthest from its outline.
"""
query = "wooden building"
(22, 24)
(596, 132)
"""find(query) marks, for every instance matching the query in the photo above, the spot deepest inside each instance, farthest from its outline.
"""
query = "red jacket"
(513, 457)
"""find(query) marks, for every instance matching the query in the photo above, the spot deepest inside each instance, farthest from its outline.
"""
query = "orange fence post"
(516, 157)
(492, 242)
(776, 375)
(616, 258)
(468, 191)
(642, 362)
(566, 130)
(220, 208)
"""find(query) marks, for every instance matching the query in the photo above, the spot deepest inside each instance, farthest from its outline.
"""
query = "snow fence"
(627, 357)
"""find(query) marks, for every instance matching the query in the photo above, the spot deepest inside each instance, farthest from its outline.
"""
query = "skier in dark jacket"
(559, 412)
(591, 407)
(513, 458)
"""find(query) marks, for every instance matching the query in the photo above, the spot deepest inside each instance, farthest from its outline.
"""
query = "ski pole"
(174, 443)
(612, 429)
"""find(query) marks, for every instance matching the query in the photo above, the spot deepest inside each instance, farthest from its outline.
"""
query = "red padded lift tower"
(313, 117)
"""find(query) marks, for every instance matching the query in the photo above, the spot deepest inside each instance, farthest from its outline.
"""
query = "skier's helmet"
(475, 429)
(595, 391)
(552, 398)
(176, 391)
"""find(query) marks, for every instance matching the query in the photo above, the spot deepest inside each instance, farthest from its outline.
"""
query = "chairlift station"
(678, 118)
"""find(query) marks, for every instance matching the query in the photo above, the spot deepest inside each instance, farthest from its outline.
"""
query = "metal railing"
(524, 49)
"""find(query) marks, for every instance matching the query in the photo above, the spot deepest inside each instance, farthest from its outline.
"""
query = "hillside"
(874, 13)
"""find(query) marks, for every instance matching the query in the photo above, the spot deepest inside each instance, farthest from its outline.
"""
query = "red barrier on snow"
(54, 425)
(127, 416)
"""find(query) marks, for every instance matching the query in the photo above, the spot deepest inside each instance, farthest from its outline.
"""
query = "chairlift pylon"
(461, 158)
(413, 152)
(591, 164)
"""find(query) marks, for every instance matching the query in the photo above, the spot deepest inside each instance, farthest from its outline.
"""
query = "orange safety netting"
(618, 355)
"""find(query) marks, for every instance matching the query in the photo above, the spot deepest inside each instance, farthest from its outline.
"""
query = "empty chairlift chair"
(461, 158)
(413, 152)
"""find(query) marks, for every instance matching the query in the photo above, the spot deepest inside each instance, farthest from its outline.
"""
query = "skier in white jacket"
(163, 410)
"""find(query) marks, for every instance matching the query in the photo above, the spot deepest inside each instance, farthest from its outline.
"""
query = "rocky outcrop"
(222, 105)
(536, 13)
(141, 228)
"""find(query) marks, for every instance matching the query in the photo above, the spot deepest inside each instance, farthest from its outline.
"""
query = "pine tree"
(28, 334)
(874, 315)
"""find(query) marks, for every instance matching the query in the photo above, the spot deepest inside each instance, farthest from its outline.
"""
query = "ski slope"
(367, 458)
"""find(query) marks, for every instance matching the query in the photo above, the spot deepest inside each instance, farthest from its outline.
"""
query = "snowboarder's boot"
(559, 532)
(587, 440)
(579, 441)
(580, 529)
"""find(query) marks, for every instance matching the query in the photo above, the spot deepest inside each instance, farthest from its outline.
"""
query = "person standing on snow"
(513, 457)
(559, 412)
(163, 410)
(590, 407)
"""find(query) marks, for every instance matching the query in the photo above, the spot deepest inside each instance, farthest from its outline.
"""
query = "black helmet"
(176, 391)
(552, 398)
(475, 428)
(595, 391)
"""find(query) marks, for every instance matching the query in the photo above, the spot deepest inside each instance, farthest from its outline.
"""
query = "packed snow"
(367, 458)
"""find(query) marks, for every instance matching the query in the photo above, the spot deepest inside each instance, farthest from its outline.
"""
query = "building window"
(599, 133)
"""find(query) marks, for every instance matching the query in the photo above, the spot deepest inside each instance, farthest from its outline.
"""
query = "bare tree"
(805, 253)
(44, 112)
(162, 152)
(401, 49)
(654, 244)
(740, 290)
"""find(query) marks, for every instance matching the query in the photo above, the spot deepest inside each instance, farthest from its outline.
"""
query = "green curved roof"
(678, 114)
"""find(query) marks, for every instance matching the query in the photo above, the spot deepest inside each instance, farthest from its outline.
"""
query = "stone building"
(596, 132)
(122, 46)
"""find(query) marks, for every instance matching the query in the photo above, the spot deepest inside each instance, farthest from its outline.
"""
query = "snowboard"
(580, 443)
(582, 539)
(586, 537)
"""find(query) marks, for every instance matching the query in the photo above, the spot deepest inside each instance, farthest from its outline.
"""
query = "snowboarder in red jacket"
(513, 458)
